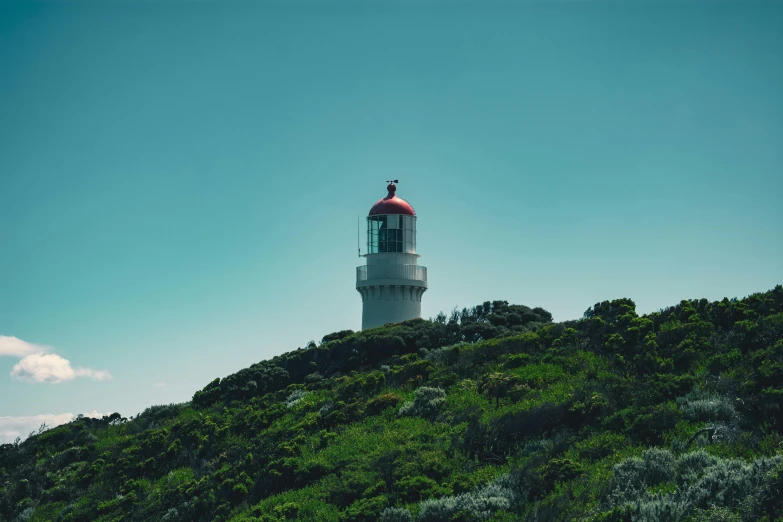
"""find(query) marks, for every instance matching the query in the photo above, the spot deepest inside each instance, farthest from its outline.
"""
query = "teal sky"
(180, 181)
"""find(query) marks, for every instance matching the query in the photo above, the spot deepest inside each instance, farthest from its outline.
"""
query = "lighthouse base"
(383, 304)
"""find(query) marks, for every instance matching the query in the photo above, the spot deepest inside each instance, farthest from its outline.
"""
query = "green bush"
(378, 404)
(481, 504)
(427, 403)
(295, 397)
(365, 509)
(699, 405)
(702, 481)
(393, 514)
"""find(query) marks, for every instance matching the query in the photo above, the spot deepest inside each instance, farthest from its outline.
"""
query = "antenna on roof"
(392, 181)
(358, 220)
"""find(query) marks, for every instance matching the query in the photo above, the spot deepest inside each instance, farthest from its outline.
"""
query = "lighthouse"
(392, 282)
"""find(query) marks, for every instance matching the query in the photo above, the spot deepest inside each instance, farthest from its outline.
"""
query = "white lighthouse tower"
(391, 283)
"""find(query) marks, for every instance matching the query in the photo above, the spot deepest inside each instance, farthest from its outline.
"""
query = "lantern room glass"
(391, 233)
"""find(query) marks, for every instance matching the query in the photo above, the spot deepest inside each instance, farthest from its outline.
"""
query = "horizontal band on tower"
(391, 271)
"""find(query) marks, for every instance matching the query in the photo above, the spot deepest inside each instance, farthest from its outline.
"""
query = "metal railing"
(410, 272)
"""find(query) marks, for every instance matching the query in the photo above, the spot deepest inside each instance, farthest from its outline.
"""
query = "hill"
(494, 413)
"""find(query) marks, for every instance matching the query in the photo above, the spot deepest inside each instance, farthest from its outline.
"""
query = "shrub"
(73, 454)
(393, 514)
(691, 466)
(652, 422)
(64, 512)
(717, 514)
(767, 500)
(600, 445)
(628, 480)
(366, 509)
(426, 403)
(660, 466)
(536, 447)
(26, 514)
(326, 409)
(481, 504)
(336, 336)
(313, 378)
(703, 480)
(446, 355)
(517, 361)
(171, 514)
(155, 414)
(659, 508)
(287, 510)
(380, 403)
(415, 488)
(729, 481)
(699, 405)
(295, 397)
(467, 505)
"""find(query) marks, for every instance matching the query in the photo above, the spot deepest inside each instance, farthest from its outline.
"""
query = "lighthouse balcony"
(392, 274)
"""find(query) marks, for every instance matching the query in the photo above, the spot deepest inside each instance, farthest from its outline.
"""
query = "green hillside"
(494, 413)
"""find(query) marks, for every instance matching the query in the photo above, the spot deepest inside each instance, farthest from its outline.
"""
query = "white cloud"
(38, 364)
(160, 384)
(13, 427)
(51, 368)
(16, 347)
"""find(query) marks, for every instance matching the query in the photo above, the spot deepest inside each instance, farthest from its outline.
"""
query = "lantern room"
(391, 233)
(391, 225)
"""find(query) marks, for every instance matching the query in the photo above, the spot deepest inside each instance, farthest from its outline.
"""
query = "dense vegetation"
(491, 414)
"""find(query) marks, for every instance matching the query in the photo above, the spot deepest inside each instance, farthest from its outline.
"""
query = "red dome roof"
(391, 204)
